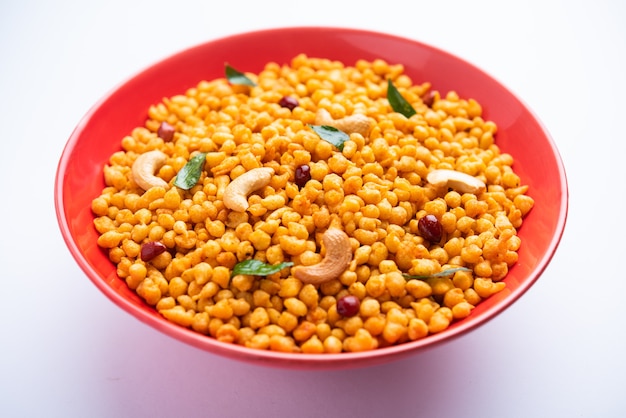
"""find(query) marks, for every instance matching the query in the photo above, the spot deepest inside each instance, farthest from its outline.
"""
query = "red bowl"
(79, 176)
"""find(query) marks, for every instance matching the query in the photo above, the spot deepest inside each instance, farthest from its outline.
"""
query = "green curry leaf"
(259, 268)
(331, 134)
(397, 102)
(444, 273)
(189, 175)
(236, 77)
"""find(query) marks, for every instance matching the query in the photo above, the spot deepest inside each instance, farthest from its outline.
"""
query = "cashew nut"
(236, 193)
(356, 123)
(456, 180)
(144, 168)
(336, 261)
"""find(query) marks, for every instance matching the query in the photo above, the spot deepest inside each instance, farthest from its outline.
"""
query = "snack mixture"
(314, 207)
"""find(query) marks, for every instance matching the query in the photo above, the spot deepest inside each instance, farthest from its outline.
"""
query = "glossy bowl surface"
(79, 176)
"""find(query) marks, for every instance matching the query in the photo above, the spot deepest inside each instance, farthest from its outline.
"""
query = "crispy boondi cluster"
(364, 236)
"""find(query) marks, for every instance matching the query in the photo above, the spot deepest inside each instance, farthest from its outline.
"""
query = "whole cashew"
(336, 261)
(144, 168)
(236, 193)
(356, 123)
(456, 180)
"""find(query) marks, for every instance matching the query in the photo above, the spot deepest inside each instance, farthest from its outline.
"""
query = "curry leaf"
(397, 102)
(236, 77)
(259, 268)
(444, 273)
(189, 175)
(331, 134)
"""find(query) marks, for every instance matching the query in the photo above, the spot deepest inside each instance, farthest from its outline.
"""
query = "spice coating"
(374, 190)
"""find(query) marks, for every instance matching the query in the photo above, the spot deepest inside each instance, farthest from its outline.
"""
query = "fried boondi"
(302, 211)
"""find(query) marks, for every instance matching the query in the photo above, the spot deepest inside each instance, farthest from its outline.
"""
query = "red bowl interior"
(98, 135)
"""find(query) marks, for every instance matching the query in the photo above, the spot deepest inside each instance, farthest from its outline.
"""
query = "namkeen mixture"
(313, 207)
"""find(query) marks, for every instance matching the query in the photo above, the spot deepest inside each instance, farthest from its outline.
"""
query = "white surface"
(67, 351)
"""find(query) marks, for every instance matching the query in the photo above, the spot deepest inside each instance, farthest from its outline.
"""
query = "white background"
(67, 351)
